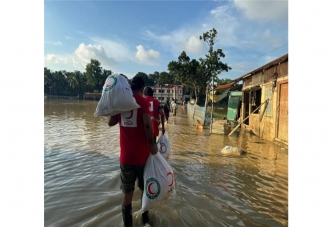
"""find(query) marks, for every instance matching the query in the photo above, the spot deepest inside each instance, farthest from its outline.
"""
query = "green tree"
(77, 82)
(166, 78)
(59, 83)
(48, 81)
(95, 74)
(186, 71)
(72, 82)
(155, 77)
(211, 65)
(148, 82)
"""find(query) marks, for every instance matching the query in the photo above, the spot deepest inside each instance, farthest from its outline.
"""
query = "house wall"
(267, 127)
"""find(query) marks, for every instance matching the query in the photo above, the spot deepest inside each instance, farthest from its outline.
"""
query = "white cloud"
(118, 50)
(263, 10)
(147, 57)
(53, 59)
(58, 43)
(86, 52)
(233, 31)
(178, 40)
(80, 58)
(194, 45)
(187, 38)
(223, 19)
(50, 58)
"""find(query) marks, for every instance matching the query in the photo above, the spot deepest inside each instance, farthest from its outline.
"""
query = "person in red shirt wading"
(156, 111)
(136, 142)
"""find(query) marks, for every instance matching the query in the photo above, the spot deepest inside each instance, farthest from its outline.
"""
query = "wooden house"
(269, 82)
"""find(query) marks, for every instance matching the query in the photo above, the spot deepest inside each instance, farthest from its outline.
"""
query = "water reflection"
(81, 174)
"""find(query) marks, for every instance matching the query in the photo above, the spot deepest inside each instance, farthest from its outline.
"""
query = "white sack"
(163, 144)
(117, 97)
(229, 150)
(159, 182)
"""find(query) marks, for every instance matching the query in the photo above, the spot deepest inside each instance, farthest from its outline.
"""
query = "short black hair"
(137, 83)
(148, 91)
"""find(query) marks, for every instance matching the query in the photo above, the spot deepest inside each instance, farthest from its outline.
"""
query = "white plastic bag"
(229, 150)
(163, 145)
(159, 182)
(117, 97)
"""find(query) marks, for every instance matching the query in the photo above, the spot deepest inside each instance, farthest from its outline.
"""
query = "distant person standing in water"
(174, 107)
(168, 104)
(156, 111)
(166, 112)
(136, 142)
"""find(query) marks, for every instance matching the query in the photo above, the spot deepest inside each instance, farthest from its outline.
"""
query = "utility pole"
(211, 113)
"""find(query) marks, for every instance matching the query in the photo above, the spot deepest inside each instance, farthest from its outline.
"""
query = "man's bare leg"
(145, 218)
(127, 209)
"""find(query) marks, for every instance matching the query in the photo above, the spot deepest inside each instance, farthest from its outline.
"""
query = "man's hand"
(153, 149)
(113, 120)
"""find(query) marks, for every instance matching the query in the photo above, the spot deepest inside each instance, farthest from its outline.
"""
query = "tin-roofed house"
(269, 121)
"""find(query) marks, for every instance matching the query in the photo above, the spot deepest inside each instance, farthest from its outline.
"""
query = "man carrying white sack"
(136, 142)
(117, 97)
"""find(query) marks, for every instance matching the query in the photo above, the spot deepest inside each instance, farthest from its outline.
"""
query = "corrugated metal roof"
(223, 87)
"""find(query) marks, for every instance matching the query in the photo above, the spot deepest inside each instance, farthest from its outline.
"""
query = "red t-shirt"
(134, 147)
(154, 106)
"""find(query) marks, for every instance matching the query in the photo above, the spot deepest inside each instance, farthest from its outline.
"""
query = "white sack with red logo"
(159, 182)
(117, 97)
(163, 144)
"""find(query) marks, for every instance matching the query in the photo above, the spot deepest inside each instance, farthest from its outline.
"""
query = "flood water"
(82, 176)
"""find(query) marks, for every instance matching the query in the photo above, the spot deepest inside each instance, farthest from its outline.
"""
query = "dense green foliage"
(198, 76)
(75, 83)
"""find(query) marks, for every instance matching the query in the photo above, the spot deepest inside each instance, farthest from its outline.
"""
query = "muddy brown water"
(82, 185)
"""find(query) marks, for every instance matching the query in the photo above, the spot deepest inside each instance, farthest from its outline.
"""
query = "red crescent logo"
(149, 190)
(130, 116)
(170, 173)
(163, 148)
(108, 82)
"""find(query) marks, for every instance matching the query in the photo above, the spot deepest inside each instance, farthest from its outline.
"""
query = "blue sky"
(144, 36)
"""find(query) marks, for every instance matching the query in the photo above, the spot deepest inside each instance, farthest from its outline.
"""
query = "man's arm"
(160, 111)
(149, 133)
(113, 120)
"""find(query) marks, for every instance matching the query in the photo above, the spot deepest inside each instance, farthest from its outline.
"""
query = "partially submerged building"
(269, 82)
(269, 120)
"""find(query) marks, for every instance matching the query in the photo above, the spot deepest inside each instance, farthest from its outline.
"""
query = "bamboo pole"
(261, 116)
(247, 117)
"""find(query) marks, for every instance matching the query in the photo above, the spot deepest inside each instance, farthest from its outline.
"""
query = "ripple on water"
(82, 184)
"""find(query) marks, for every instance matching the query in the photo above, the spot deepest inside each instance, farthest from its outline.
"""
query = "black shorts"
(128, 176)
